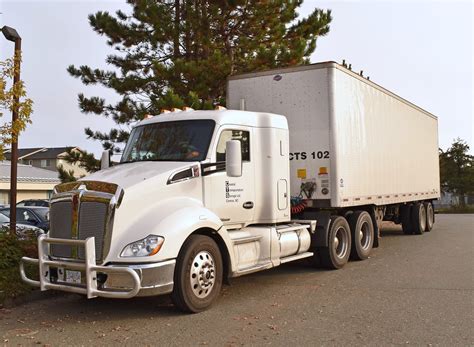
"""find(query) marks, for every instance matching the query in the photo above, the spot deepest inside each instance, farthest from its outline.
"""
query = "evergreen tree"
(179, 53)
(457, 170)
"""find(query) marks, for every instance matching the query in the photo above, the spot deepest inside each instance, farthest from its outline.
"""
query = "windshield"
(169, 141)
(43, 213)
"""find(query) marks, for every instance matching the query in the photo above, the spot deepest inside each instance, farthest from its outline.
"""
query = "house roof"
(38, 152)
(28, 173)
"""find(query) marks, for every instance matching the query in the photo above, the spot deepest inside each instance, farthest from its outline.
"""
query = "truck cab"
(198, 196)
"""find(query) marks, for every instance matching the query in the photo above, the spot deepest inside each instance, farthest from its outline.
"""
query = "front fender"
(177, 227)
(174, 219)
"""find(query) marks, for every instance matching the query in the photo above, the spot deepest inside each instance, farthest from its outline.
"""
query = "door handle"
(248, 205)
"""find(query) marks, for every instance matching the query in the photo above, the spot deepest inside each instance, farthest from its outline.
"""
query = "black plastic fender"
(323, 220)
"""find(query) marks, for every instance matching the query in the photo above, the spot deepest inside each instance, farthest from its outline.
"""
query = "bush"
(456, 209)
(11, 250)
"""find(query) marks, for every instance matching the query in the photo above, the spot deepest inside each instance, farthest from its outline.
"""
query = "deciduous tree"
(8, 93)
(457, 170)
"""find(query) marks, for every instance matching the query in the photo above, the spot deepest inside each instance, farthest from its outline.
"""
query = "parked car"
(32, 216)
(34, 202)
(22, 230)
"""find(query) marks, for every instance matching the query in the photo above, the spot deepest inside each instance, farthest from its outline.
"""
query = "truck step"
(254, 268)
(296, 257)
(246, 239)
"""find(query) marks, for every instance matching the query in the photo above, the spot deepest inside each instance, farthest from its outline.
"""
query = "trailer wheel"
(198, 274)
(336, 255)
(362, 232)
(430, 217)
(418, 216)
(406, 220)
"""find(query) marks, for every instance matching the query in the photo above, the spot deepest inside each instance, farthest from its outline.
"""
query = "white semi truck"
(203, 196)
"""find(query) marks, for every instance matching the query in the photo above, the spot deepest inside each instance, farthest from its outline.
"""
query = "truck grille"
(60, 216)
(92, 221)
(92, 216)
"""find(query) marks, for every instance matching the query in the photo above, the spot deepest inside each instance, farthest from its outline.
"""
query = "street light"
(12, 35)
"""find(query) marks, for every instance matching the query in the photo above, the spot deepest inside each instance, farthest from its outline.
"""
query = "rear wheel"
(430, 217)
(198, 274)
(418, 218)
(336, 255)
(405, 217)
(362, 232)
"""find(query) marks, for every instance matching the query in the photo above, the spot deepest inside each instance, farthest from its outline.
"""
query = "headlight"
(148, 246)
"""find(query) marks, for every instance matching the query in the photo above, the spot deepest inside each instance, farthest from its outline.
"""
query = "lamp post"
(12, 35)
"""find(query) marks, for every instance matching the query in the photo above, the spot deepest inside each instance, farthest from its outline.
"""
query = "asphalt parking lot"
(416, 290)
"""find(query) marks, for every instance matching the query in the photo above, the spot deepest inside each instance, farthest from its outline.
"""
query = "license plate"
(73, 276)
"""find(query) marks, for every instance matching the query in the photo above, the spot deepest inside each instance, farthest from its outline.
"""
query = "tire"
(418, 218)
(336, 255)
(430, 217)
(405, 218)
(197, 275)
(362, 233)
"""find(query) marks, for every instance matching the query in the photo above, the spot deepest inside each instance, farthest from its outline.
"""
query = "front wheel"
(198, 274)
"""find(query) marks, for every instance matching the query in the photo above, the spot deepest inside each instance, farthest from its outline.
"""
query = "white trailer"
(361, 142)
(203, 196)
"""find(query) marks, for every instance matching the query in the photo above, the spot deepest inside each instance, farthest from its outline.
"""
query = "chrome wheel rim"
(364, 236)
(423, 217)
(203, 274)
(430, 214)
(341, 242)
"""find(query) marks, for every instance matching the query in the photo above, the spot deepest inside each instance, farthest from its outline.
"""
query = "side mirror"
(105, 160)
(233, 158)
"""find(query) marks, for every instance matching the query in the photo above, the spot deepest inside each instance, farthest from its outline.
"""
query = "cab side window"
(241, 135)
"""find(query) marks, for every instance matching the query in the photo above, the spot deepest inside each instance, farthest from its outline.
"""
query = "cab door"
(232, 198)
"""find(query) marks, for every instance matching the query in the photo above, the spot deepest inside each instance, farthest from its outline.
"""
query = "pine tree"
(179, 53)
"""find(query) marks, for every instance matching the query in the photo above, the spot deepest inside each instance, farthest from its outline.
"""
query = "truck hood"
(130, 174)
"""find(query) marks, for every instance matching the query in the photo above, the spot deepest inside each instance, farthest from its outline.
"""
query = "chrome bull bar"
(88, 266)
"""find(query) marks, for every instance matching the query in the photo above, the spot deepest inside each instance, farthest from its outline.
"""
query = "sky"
(420, 50)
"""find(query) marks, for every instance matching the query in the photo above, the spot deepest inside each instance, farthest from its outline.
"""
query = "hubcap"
(340, 242)
(202, 274)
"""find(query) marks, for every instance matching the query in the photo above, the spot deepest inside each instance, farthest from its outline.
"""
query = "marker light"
(220, 108)
(323, 170)
(174, 109)
(186, 109)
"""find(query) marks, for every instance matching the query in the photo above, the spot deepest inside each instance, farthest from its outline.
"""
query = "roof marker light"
(148, 116)
(174, 109)
(220, 108)
(187, 109)
(164, 110)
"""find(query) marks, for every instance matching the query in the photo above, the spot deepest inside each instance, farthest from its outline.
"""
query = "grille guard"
(88, 266)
